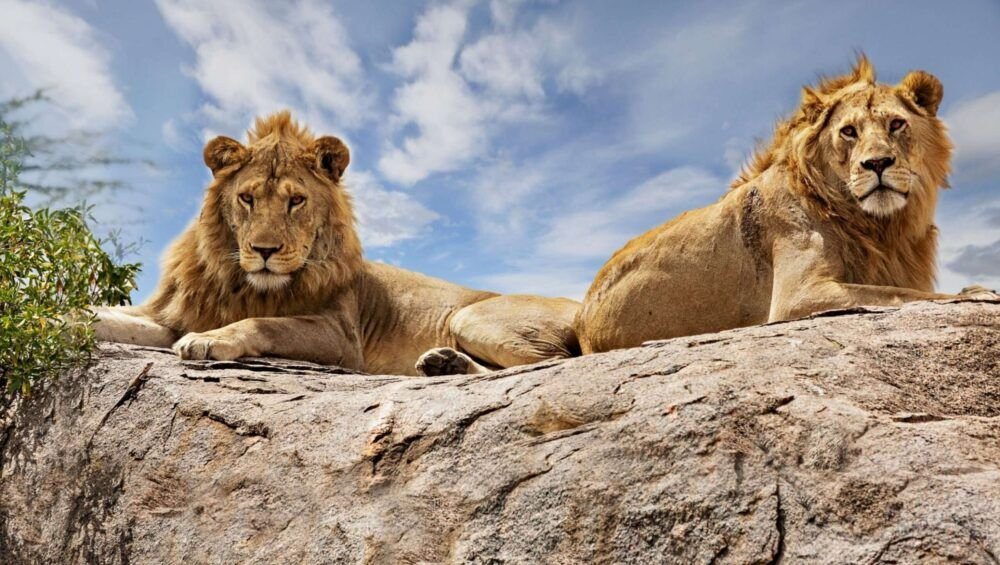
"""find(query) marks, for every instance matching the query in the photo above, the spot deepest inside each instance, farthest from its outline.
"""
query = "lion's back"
(701, 272)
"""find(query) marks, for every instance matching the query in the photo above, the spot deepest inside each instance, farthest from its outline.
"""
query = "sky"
(509, 145)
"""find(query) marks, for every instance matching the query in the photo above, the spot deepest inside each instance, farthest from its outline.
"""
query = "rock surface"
(870, 436)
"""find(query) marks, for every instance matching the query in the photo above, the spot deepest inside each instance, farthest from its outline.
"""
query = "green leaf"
(52, 268)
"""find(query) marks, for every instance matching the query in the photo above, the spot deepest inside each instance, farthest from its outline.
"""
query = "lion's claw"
(978, 292)
(207, 346)
(443, 361)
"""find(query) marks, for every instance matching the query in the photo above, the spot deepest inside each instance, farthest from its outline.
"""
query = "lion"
(273, 266)
(836, 212)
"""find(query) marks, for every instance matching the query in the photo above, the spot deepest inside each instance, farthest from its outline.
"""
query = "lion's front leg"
(834, 296)
(812, 298)
(807, 280)
(128, 324)
(978, 292)
(320, 339)
(223, 344)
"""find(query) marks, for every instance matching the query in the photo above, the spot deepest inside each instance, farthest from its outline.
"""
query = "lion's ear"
(813, 104)
(223, 152)
(332, 157)
(924, 89)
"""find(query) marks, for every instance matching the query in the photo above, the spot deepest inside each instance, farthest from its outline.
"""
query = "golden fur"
(203, 288)
(836, 211)
(273, 266)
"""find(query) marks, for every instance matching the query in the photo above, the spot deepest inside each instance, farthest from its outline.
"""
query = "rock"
(869, 436)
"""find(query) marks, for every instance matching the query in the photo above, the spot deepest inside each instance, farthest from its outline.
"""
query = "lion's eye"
(247, 198)
(896, 124)
(848, 131)
(296, 200)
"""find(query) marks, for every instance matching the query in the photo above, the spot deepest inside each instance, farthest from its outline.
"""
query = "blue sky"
(507, 144)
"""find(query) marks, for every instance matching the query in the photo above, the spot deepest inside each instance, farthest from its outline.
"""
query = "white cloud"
(975, 128)
(504, 12)
(437, 101)
(177, 136)
(50, 48)
(500, 197)
(459, 95)
(254, 57)
(506, 64)
(736, 153)
(515, 63)
(385, 217)
(436, 39)
(669, 189)
(978, 261)
(513, 201)
(599, 230)
(578, 236)
(968, 237)
(558, 282)
(564, 58)
(257, 57)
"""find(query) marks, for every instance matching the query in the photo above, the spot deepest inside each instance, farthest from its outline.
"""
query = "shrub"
(52, 268)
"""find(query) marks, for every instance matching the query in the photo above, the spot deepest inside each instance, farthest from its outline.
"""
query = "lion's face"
(278, 199)
(882, 142)
(274, 220)
(872, 132)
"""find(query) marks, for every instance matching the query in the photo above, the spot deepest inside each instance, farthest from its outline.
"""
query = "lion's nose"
(878, 165)
(266, 252)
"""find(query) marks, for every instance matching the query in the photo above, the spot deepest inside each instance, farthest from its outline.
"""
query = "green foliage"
(52, 268)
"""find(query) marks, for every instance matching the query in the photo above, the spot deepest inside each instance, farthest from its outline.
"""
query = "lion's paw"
(977, 292)
(443, 361)
(208, 346)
